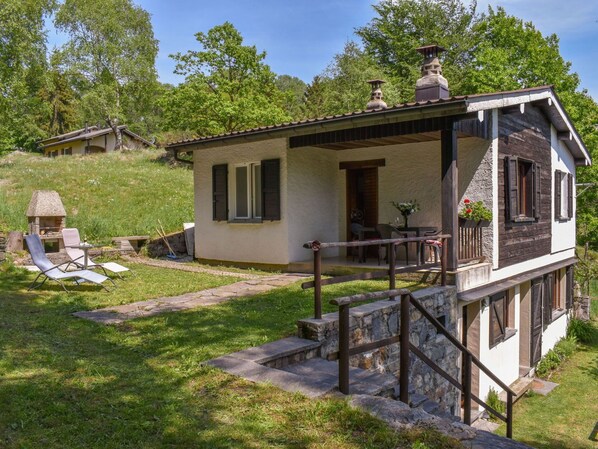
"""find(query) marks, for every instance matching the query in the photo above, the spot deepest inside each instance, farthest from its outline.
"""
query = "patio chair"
(358, 233)
(70, 237)
(387, 231)
(53, 272)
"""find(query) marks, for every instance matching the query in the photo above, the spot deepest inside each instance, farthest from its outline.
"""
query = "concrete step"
(280, 353)
(520, 387)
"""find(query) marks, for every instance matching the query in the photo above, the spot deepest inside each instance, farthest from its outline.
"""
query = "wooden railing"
(470, 244)
(468, 358)
(392, 271)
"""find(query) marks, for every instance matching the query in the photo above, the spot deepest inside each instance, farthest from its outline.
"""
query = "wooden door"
(362, 195)
(536, 322)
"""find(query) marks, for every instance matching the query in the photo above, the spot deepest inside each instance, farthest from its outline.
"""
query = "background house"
(261, 193)
(91, 140)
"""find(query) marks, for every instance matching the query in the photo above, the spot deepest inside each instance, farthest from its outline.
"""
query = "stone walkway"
(152, 307)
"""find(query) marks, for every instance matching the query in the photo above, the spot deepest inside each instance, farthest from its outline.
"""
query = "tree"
(227, 86)
(293, 90)
(22, 71)
(404, 25)
(110, 57)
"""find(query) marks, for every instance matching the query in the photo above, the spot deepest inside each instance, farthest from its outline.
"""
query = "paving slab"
(543, 387)
(209, 297)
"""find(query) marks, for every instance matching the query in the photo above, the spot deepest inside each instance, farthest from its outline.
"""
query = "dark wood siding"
(271, 189)
(220, 192)
(525, 136)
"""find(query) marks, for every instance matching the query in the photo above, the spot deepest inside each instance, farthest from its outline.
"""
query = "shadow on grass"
(68, 382)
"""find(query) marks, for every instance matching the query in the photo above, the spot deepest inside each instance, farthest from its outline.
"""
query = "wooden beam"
(565, 135)
(450, 179)
(352, 165)
(515, 109)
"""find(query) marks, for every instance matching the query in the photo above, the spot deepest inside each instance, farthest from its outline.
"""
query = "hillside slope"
(105, 195)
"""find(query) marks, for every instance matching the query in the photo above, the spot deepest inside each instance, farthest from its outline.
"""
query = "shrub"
(494, 401)
(553, 358)
(582, 331)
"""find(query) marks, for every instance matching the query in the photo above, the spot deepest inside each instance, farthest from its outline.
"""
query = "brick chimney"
(376, 101)
(432, 85)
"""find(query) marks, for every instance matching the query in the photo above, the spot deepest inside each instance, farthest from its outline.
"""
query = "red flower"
(468, 211)
(466, 201)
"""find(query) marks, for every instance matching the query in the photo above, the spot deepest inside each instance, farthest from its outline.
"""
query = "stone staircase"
(293, 364)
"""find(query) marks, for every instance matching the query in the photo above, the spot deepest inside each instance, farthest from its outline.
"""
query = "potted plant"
(406, 208)
(474, 214)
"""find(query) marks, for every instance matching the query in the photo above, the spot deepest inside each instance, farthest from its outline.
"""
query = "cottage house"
(91, 140)
(261, 194)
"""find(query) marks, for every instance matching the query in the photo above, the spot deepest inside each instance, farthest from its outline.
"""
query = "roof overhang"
(366, 118)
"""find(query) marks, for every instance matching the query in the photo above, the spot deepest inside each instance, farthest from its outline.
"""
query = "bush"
(582, 331)
(553, 358)
(494, 401)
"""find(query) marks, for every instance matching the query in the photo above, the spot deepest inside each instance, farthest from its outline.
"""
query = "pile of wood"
(3, 241)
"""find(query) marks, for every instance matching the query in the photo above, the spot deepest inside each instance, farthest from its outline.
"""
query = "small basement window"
(502, 317)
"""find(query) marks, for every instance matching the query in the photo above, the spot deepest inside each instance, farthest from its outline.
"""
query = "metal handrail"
(407, 298)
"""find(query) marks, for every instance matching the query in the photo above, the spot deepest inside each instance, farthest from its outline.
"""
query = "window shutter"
(497, 318)
(512, 190)
(537, 190)
(569, 195)
(569, 292)
(271, 189)
(547, 300)
(220, 192)
(557, 194)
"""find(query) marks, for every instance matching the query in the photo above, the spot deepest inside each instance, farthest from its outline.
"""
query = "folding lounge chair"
(70, 236)
(51, 271)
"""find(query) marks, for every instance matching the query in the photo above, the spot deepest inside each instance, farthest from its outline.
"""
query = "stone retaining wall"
(378, 320)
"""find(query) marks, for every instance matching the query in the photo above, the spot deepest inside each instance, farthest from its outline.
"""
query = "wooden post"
(450, 178)
(509, 415)
(392, 269)
(467, 388)
(343, 348)
(317, 284)
(404, 347)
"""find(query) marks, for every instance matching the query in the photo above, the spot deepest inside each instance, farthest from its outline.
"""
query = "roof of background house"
(456, 105)
(90, 133)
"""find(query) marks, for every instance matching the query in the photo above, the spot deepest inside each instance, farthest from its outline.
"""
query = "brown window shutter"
(557, 194)
(569, 195)
(512, 188)
(220, 192)
(537, 190)
(547, 300)
(497, 318)
(569, 292)
(271, 189)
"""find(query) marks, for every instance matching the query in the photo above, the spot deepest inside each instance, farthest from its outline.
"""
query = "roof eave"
(419, 112)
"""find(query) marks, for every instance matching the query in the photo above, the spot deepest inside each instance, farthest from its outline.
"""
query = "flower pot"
(466, 223)
(483, 223)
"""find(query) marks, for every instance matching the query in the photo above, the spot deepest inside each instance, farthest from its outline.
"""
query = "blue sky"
(302, 36)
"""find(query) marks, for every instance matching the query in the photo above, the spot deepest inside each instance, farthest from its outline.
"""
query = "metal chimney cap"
(376, 101)
(430, 51)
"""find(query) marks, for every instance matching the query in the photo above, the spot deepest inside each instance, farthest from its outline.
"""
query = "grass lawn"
(105, 195)
(568, 415)
(70, 383)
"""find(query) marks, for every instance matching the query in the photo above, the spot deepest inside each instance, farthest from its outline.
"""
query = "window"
(563, 195)
(255, 191)
(502, 317)
(522, 190)
(248, 191)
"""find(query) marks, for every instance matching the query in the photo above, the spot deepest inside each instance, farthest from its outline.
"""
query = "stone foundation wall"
(378, 320)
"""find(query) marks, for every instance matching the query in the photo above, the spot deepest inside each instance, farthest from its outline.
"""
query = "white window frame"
(253, 196)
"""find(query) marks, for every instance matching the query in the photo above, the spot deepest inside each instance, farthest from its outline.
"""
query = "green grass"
(104, 195)
(565, 418)
(70, 383)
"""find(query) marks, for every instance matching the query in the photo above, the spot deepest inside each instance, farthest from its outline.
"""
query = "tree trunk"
(113, 124)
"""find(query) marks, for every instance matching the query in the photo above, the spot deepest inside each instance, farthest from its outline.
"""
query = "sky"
(301, 37)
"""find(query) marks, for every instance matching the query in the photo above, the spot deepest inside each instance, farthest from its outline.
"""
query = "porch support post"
(450, 223)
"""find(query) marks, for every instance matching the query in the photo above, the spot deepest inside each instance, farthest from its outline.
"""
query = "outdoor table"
(419, 232)
(85, 247)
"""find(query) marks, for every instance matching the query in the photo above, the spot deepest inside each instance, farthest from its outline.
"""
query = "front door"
(362, 195)
(536, 322)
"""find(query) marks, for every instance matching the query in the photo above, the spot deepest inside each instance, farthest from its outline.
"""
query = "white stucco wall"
(554, 332)
(563, 232)
(313, 198)
(502, 359)
(239, 242)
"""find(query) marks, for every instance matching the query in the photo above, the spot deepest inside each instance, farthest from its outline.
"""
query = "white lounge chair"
(53, 272)
(70, 237)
